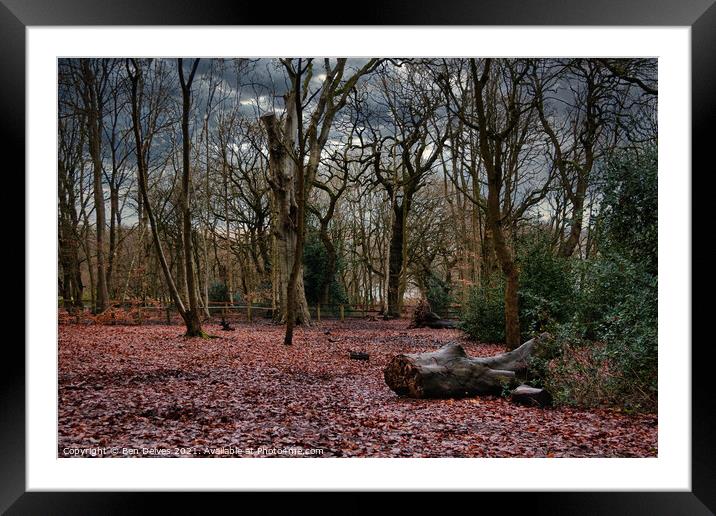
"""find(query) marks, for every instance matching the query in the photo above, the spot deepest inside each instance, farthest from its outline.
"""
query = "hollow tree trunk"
(449, 372)
(282, 181)
(424, 317)
(286, 251)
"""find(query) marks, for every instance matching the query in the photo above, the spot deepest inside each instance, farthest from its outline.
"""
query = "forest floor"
(147, 391)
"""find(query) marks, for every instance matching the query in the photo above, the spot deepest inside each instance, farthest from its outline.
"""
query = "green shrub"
(483, 317)
(315, 279)
(630, 334)
(629, 210)
(603, 312)
(602, 284)
(607, 354)
(571, 368)
(629, 326)
(546, 295)
(608, 350)
(438, 294)
(218, 292)
(546, 286)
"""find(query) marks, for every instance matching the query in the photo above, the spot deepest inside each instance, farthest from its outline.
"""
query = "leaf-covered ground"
(145, 391)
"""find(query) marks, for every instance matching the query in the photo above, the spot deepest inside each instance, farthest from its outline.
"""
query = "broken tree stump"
(424, 317)
(225, 325)
(450, 373)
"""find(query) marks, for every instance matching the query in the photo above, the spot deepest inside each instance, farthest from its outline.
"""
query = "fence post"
(342, 314)
(169, 318)
(249, 315)
(139, 313)
(318, 312)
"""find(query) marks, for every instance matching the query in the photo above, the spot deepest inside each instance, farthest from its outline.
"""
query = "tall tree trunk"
(493, 160)
(178, 264)
(69, 243)
(395, 261)
(404, 259)
(296, 209)
(489, 263)
(297, 264)
(577, 216)
(88, 259)
(206, 227)
(264, 239)
(193, 322)
(283, 183)
(227, 232)
(94, 138)
(507, 264)
(113, 229)
(65, 288)
(72, 278)
(135, 77)
(286, 241)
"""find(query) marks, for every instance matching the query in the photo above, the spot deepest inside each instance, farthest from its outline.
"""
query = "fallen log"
(531, 396)
(450, 373)
(441, 324)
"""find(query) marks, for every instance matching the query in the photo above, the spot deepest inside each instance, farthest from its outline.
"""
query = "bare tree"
(403, 161)
(294, 156)
(192, 316)
(581, 104)
(94, 81)
(69, 164)
(501, 115)
(142, 145)
(343, 165)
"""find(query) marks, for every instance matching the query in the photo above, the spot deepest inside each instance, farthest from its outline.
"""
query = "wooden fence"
(138, 313)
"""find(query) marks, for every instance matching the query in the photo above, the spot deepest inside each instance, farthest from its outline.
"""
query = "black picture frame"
(700, 15)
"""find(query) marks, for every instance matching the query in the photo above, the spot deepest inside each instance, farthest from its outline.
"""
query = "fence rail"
(139, 313)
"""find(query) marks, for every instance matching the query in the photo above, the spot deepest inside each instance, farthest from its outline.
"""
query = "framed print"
(422, 254)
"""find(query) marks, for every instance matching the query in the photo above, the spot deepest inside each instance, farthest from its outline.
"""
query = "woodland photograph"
(317, 257)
